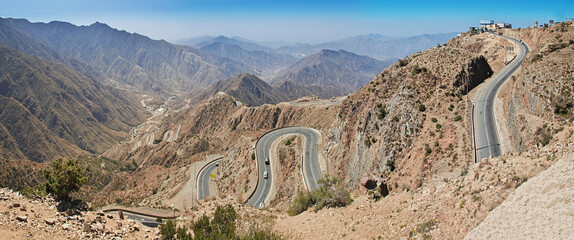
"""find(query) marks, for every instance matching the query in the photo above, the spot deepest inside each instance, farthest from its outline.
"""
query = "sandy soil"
(541, 208)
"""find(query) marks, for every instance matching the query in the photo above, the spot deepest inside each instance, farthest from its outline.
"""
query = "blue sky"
(298, 20)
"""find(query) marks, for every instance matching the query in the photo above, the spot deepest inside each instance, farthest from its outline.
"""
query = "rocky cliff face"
(401, 125)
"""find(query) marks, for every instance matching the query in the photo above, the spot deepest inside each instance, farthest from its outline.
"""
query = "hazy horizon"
(291, 21)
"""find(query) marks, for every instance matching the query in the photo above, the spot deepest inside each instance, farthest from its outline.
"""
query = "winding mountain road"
(310, 163)
(486, 135)
(203, 179)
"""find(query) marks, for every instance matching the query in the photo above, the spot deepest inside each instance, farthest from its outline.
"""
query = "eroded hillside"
(423, 154)
(171, 141)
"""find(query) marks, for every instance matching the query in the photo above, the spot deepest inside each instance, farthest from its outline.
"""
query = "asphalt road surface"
(203, 180)
(486, 135)
(311, 168)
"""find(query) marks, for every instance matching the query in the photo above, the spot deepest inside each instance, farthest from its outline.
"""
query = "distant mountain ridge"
(373, 45)
(251, 90)
(377, 46)
(341, 70)
(263, 63)
(130, 58)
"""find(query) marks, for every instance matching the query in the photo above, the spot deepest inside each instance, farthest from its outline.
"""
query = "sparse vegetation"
(403, 62)
(329, 194)
(428, 149)
(562, 105)
(417, 70)
(423, 228)
(422, 107)
(168, 230)
(391, 165)
(536, 58)
(555, 47)
(382, 113)
(222, 225)
(543, 136)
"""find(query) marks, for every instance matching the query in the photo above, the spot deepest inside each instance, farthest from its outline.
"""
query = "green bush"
(329, 194)
(438, 126)
(168, 230)
(428, 149)
(434, 120)
(457, 118)
(395, 118)
(536, 58)
(64, 178)
(222, 225)
(403, 62)
(252, 156)
(422, 108)
(382, 114)
(391, 165)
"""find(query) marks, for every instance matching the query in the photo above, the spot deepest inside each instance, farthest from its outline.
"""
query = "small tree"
(64, 178)
(168, 230)
(422, 108)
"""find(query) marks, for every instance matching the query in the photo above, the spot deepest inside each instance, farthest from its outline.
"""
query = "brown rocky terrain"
(23, 218)
(409, 128)
(172, 140)
(442, 194)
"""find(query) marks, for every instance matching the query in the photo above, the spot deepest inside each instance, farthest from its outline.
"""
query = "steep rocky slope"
(131, 59)
(65, 110)
(435, 189)
(388, 125)
(248, 89)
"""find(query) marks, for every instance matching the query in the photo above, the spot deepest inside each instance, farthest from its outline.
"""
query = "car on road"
(265, 174)
(266, 160)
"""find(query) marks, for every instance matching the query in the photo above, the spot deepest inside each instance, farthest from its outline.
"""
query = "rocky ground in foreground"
(540, 208)
(24, 218)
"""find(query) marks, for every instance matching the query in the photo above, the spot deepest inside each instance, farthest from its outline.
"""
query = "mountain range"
(50, 110)
(128, 59)
(340, 70)
(373, 45)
